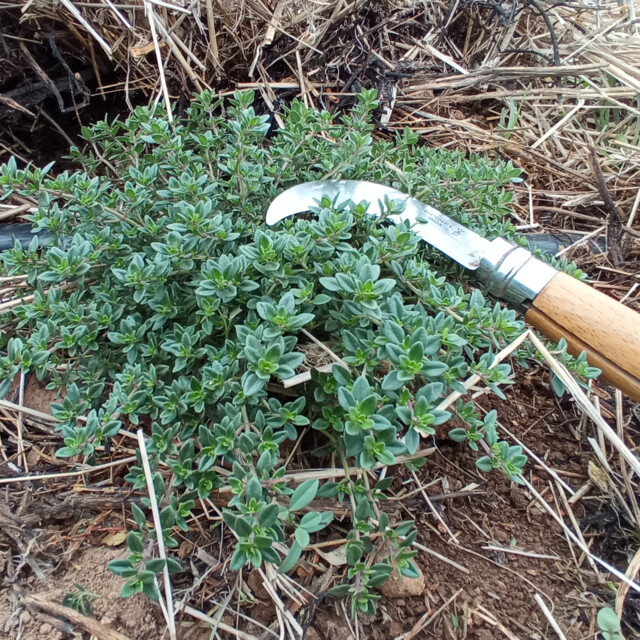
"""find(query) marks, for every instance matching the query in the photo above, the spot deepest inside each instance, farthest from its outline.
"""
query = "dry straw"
(540, 84)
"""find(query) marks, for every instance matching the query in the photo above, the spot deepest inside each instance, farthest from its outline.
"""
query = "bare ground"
(499, 547)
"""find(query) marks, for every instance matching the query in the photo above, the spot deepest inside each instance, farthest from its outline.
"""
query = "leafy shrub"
(164, 302)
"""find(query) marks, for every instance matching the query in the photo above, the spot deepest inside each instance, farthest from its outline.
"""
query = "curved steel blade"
(438, 230)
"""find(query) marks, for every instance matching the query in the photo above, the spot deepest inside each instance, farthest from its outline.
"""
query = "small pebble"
(398, 586)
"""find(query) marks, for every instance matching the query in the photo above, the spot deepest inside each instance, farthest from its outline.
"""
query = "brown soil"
(498, 588)
(136, 617)
(490, 593)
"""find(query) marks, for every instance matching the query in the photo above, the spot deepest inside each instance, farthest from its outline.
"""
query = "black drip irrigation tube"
(23, 233)
(550, 243)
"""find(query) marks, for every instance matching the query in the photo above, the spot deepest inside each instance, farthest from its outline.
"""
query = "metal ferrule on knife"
(513, 274)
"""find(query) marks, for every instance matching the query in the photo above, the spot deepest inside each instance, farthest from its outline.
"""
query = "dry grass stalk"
(520, 552)
(167, 607)
(20, 425)
(93, 627)
(549, 616)
(487, 616)
(433, 510)
(628, 484)
(68, 474)
(569, 511)
(82, 20)
(473, 380)
(440, 557)
(213, 36)
(585, 406)
(623, 589)
(305, 376)
(14, 211)
(154, 36)
(583, 547)
(199, 615)
(427, 619)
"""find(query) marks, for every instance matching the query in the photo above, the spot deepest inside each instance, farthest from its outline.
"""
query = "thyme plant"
(163, 302)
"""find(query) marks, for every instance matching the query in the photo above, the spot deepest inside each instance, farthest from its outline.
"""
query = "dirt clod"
(395, 629)
(398, 586)
(255, 583)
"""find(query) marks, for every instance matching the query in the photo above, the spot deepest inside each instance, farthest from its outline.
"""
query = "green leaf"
(238, 560)
(354, 551)
(346, 399)
(557, 385)
(458, 434)
(243, 526)
(410, 571)
(363, 509)
(315, 521)
(393, 332)
(229, 518)
(129, 589)
(119, 566)
(361, 388)
(368, 405)
(341, 375)
(485, 463)
(253, 489)
(146, 576)
(380, 574)
(302, 537)
(268, 515)
(340, 590)
(151, 591)
(330, 284)
(262, 542)
(134, 542)
(156, 565)
(386, 457)
(327, 490)
(433, 369)
(391, 382)
(65, 452)
(252, 384)
(303, 495)
(174, 565)
(412, 440)
(608, 620)
(291, 558)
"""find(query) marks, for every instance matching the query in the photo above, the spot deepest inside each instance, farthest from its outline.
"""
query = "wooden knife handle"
(593, 322)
